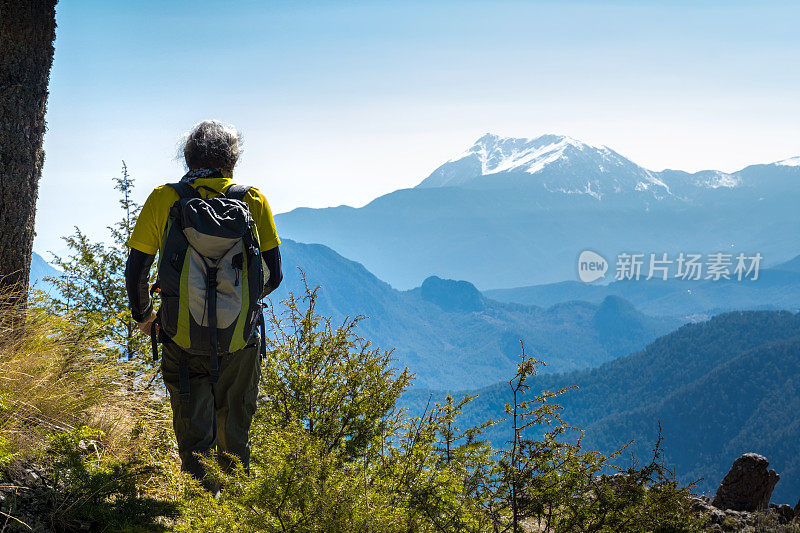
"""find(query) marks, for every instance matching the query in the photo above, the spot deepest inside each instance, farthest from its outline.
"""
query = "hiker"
(218, 256)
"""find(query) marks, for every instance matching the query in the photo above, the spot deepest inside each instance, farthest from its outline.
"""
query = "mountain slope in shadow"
(451, 335)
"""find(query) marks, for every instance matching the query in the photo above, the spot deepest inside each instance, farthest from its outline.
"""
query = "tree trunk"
(27, 31)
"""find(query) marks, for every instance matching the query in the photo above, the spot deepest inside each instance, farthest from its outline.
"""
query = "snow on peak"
(579, 168)
(719, 179)
(791, 162)
(565, 165)
(502, 154)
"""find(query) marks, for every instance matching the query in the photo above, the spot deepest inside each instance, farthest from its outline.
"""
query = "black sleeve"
(137, 274)
(273, 260)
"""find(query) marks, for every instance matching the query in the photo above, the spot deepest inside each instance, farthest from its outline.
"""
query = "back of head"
(212, 144)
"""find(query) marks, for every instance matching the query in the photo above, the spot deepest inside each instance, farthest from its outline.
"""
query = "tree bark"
(27, 32)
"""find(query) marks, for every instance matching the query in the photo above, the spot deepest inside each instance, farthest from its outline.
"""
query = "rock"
(729, 520)
(748, 485)
(716, 517)
(25, 475)
(702, 506)
(785, 512)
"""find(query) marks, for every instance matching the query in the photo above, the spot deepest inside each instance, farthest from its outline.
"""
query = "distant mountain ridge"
(513, 212)
(777, 287)
(449, 334)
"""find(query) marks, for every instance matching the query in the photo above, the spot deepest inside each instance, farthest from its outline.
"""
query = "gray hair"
(212, 144)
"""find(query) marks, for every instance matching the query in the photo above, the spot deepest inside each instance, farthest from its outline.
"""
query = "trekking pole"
(263, 328)
(153, 333)
(154, 341)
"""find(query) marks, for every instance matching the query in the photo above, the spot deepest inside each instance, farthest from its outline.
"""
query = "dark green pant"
(208, 416)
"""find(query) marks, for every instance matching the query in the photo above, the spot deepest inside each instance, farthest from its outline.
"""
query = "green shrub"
(564, 488)
(332, 453)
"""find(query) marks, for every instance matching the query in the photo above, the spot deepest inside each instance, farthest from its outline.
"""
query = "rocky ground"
(742, 500)
(26, 496)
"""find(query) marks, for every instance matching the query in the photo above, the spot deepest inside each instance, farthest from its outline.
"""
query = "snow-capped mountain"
(558, 163)
(493, 154)
(561, 164)
(510, 212)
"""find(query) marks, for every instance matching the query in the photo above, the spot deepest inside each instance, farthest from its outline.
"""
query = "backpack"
(210, 274)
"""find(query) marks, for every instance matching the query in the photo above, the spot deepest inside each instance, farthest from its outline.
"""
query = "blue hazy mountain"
(41, 269)
(514, 212)
(793, 265)
(719, 388)
(776, 288)
(451, 335)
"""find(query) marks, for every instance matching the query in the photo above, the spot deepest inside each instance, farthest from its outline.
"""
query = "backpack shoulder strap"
(208, 190)
(237, 192)
(184, 190)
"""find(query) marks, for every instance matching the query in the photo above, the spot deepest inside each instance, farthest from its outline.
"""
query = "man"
(213, 399)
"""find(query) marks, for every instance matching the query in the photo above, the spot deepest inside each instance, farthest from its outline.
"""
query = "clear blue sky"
(340, 102)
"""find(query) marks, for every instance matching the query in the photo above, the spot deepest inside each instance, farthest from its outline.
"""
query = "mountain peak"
(451, 295)
(488, 137)
(499, 154)
(495, 141)
(495, 154)
(562, 165)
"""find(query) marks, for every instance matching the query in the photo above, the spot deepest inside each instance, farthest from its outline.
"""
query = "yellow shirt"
(146, 236)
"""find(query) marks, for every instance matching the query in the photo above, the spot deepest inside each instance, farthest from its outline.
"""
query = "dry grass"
(57, 376)
(54, 377)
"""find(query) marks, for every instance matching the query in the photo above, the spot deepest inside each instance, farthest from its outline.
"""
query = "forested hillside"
(719, 388)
